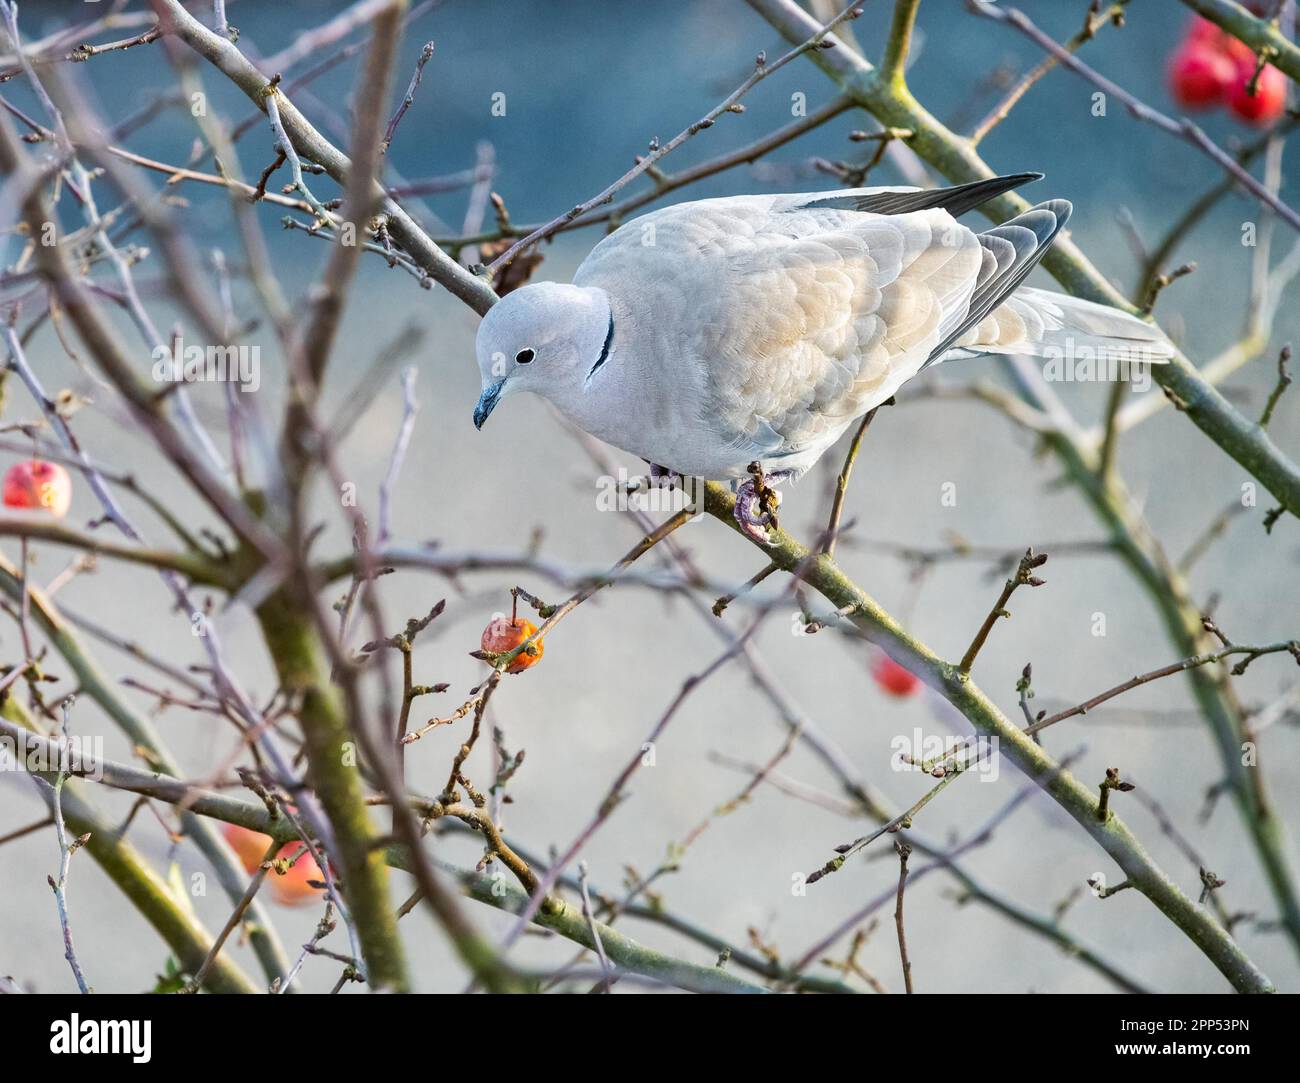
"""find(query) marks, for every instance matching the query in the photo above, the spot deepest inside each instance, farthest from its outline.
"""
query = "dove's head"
(546, 338)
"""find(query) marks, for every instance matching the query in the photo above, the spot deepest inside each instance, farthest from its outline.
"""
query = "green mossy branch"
(825, 576)
(94, 685)
(146, 890)
(1260, 34)
(560, 917)
(332, 758)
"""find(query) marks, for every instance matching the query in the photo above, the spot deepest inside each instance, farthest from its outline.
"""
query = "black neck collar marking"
(604, 353)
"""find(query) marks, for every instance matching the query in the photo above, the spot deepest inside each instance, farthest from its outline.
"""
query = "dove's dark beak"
(487, 403)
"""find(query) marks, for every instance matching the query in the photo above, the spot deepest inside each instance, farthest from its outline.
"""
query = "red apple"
(1200, 75)
(1268, 102)
(249, 846)
(293, 887)
(1241, 54)
(38, 485)
(288, 889)
(894, 679)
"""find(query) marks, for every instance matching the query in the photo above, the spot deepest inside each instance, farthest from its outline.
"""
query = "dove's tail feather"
(1041, 323)
(1010, 252)
(1006, 317)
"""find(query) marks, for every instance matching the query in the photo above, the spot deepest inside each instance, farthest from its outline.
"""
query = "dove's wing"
(798, 317)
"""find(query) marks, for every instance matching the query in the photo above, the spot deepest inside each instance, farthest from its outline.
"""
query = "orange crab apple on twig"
(503, 636)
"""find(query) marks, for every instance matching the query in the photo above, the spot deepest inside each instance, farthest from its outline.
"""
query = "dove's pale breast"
(757, 329)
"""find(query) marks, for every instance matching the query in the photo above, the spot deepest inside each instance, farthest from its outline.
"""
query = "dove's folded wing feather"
(811, 316)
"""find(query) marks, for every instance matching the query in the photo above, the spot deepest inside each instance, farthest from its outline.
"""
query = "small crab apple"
(1268, 102)
(38, 485)
(249, 846)
(894, 679)
(293, 887)
(1200, 75)
(505, 634)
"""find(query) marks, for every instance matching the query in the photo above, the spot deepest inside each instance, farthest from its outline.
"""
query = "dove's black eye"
(524, 357)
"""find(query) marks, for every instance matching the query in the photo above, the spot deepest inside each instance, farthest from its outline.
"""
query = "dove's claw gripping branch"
(756, 503)
(753, 526)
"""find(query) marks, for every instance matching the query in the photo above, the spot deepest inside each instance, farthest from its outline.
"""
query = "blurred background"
(586, 86)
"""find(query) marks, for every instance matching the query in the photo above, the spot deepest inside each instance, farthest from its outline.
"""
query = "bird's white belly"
(704, 455)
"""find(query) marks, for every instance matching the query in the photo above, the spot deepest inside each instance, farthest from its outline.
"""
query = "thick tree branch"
(563, 918)
(822, 574)
(223, 55)
(94, 684)
(1259, 34)
(145, 889)
(195, 568)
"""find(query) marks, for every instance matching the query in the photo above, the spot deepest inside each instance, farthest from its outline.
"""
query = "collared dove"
(741, 336)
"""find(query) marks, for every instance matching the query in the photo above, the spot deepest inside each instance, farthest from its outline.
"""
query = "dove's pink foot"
(752, 525)
(756, 504)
